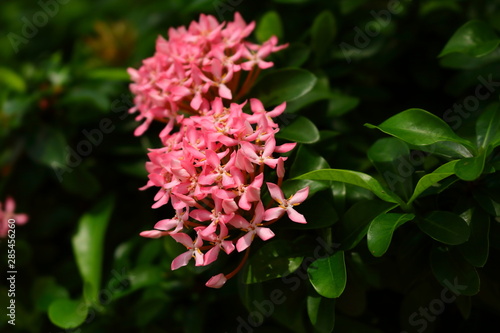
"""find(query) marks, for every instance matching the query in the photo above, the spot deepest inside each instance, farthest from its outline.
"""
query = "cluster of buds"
(211, 169)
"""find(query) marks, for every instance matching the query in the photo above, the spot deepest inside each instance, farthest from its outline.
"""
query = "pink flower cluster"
(7, 214)
(194, 66)
(211, 170)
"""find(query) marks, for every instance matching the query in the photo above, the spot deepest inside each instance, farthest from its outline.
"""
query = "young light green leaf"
(300, 130)
(354, 178)
(475, 38)
(445, 227)
(380, 232)
(419, 127)
(321, 312)
(269, 25)
(88, 245)
(453, 272)
(67, 313)
(430, 179)
(283, 85)
(328, 275)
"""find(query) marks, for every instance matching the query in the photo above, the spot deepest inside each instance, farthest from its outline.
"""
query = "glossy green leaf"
(321, 312)
(453, 272)
(67, 313)
(269, 25)
(488, 126)
(323, 32)
(388, 156)
(320, 91)
(300, 130)
(275, 259)
(381, 229)
(445, 227)
(283, 85)
(476, 249)
(328, 275)
(295, 55)
(449, 150)
(307, 160)
(88, 246)
(444, 171)
(419, 127)
(475, 38)
(355, 178)
(356, 221)
(470, 168)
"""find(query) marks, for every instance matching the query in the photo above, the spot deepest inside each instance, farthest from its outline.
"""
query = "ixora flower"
(195, 64)
(7, 213)
(216, 152)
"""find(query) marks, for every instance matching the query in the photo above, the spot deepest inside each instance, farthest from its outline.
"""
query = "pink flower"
(8, 214)
(252, 229)
(286, 205)
(192, 252)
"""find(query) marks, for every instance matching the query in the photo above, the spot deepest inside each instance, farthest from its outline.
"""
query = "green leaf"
(356, 221)
(323, 32)
(470, 168)
(445, 227)
(453, 272)
(341, 103)
(488, 203)
(320, 91)
(354, 178)
(430, 179)
(269, 25)
(380, 232)
(67, 313)
(273, 260)
(488, 126)
(283, 85)
(12, 80)
(88, 243)
(419, 127)
(328, 275)
(321, 312)
(300, 130)
(475, 38)
(476, 249)
(294, 55)
(45, 291)
(387, 155)
(307, 160)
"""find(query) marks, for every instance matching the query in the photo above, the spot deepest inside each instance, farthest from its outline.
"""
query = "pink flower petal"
(244, 242)
(295, 216)
(276, 193)
(181, 260)
(265, 233)
(300, 196)
(273, 213)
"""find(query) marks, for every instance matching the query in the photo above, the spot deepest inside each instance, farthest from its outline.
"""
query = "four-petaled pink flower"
(7, 214)
(286, 205)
